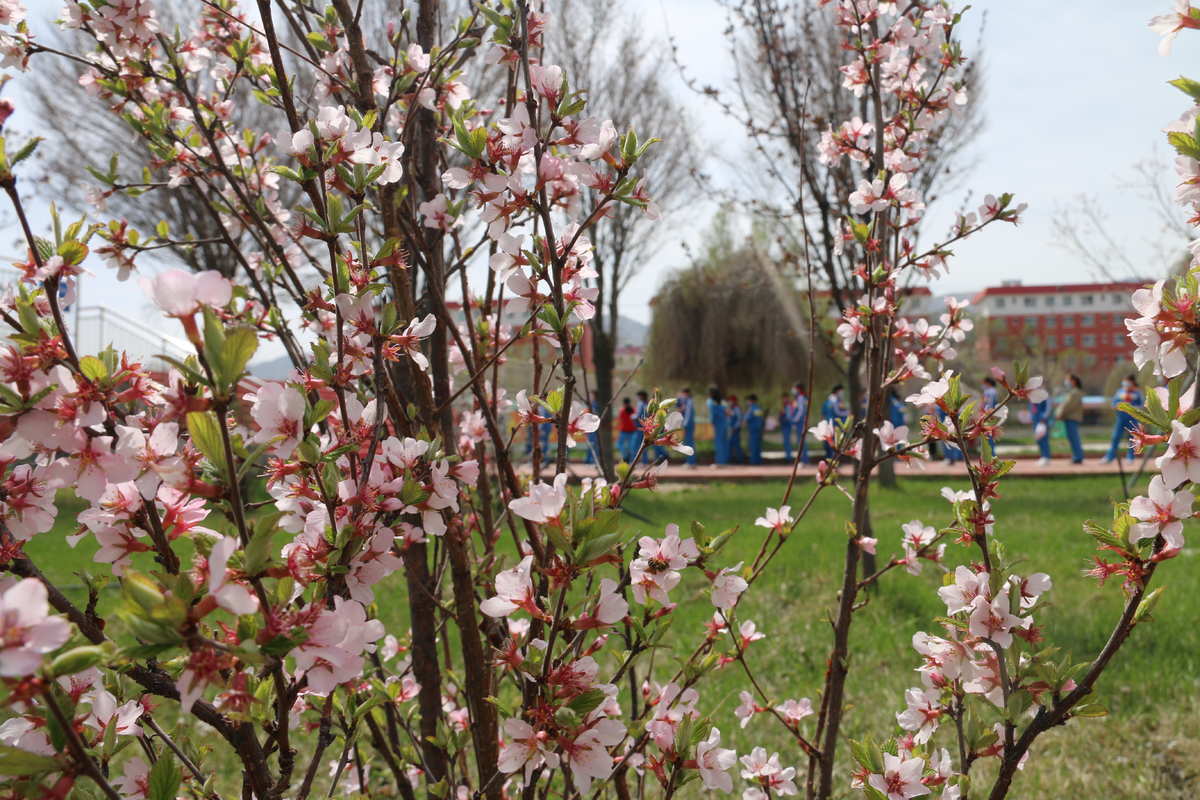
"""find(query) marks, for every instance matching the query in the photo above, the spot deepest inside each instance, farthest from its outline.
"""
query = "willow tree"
(729, 317)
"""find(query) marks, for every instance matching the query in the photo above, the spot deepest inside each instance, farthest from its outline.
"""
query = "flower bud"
(76, 660)
(142, 590)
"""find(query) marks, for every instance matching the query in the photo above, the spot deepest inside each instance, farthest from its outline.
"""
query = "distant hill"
(632, 333)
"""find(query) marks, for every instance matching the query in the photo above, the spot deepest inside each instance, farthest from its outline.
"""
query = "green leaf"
(240, 345)
(15, 761)
(165, 778)
(1147, 605)
(1090, 710)
(1184, 144)
(587, 702)
(93, 368)
(206, 435)
(258, 552)
(597, 546)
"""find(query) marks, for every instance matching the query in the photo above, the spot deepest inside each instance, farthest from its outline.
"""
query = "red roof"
(1060, 288)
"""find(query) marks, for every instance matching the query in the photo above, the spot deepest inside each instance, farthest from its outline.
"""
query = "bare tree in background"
(84, 133)
(787, 90)
(1082, 229)
(603, 46)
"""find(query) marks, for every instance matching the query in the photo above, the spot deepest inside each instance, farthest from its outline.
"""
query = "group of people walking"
(1070, 413)
(630, 432)
(738, 428)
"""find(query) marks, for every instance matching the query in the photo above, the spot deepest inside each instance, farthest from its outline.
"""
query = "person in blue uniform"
(952, 451)
(687, 407)
(991, 399)
(1128, 392)
(786, 403)
(643, 408)
(736, 419)
(756, 420)
(834, 410)
(593, 438)
(1039, 418)
(895, 410)
(719, 420)
(799, 419)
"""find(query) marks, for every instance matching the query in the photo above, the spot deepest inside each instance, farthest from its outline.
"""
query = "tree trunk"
(858, 401)
(604, 360)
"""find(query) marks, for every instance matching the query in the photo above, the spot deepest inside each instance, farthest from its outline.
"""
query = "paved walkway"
(1026, 468)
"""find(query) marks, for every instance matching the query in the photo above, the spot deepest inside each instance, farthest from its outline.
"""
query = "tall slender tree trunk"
(859, 400)
(604, 359)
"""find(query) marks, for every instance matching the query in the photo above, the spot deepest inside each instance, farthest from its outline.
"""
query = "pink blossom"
(525, 748)
(332, 653)
(1181, 461)
(181, 294)
(134, 781)
(611, 607)
(768, 772)
(775, 519)
(1031, 588)
(931, 392)
(543, 503)
(992, 620)
(514, 591)
(27, 631)
(1160, 513)
(917, 537)
(923, 713)
(727, 587)
(901, 778)
(229, 594)
(278, 410)
(655, 571)
(1169, 25)
(587, 755)
(892, 437)
(795, 710)
(960, 595)
(28, 505)
(714, 761)
(746, 709)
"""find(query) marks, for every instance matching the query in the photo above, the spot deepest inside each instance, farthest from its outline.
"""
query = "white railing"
(97, 327)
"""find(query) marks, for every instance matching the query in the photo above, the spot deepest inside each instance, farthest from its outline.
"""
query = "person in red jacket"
(627, 431)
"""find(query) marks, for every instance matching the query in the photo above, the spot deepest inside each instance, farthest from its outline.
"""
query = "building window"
(1088, 320)
(1068, 340)
(1116, 298)
(1118, 339)
(1051, 322)
(1050, 301)
(1068, 322)
(1086, 300)
(1089, 340)
(1031, 322)
(1068, 300)
(1051, 342)
(1030, 302)
(999, 302)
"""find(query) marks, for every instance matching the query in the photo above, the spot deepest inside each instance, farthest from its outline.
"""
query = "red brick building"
(1078, 325)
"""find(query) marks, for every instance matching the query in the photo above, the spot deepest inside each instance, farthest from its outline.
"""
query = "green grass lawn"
(1149, 746)
(1149, 743)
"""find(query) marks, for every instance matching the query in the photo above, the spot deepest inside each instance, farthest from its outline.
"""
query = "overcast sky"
(1076, 94)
